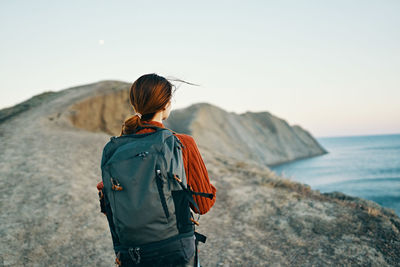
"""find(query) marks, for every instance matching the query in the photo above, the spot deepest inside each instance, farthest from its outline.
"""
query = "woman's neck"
(153, 122)
(158, 117)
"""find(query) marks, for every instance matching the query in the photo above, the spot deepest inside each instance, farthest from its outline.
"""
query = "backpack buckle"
(116, 186)
(195, 222)
(176, 177)
(117, 260)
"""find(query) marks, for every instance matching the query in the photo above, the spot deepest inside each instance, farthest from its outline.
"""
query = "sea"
(365, 166)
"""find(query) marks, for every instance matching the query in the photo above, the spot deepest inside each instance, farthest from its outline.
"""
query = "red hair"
(149, 94)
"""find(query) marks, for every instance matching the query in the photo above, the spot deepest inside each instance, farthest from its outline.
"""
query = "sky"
(332, 67)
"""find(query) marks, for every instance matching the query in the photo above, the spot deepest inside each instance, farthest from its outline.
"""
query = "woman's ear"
(167, 105)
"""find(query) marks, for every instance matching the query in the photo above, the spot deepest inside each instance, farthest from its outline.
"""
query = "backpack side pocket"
(182, 211)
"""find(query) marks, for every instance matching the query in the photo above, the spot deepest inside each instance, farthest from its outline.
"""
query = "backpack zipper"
(143, 154)
(160, 185)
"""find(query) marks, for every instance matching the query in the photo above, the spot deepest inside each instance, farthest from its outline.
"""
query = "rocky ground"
(263, 220)
(50, 214)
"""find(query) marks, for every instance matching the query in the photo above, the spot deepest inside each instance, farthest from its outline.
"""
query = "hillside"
(49, 168)
(259, 137)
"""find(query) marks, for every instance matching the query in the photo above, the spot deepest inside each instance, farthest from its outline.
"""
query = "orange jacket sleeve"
(196, 173)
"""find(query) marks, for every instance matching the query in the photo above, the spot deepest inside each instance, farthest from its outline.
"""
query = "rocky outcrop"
(50, 216)
(260, 137)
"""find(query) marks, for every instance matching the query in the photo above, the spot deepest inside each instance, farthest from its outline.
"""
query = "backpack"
(146, 199)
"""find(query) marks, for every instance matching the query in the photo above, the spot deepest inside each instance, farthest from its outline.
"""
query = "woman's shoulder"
(185, 139)
(184, 136)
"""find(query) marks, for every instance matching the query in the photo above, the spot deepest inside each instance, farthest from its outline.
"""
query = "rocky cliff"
(260, 137)
(49, 167)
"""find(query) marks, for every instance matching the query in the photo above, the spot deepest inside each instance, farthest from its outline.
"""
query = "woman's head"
(148, 95)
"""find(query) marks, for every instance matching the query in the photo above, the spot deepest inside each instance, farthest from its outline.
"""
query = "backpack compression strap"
(189, 193)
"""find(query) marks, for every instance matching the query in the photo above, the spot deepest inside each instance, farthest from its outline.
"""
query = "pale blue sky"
(332, 67)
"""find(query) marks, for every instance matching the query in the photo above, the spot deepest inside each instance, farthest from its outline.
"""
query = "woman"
(150, 97)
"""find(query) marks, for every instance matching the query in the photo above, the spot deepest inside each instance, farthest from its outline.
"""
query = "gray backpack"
(147, 198)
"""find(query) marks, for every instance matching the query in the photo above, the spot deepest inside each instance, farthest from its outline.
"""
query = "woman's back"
(145, 234)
